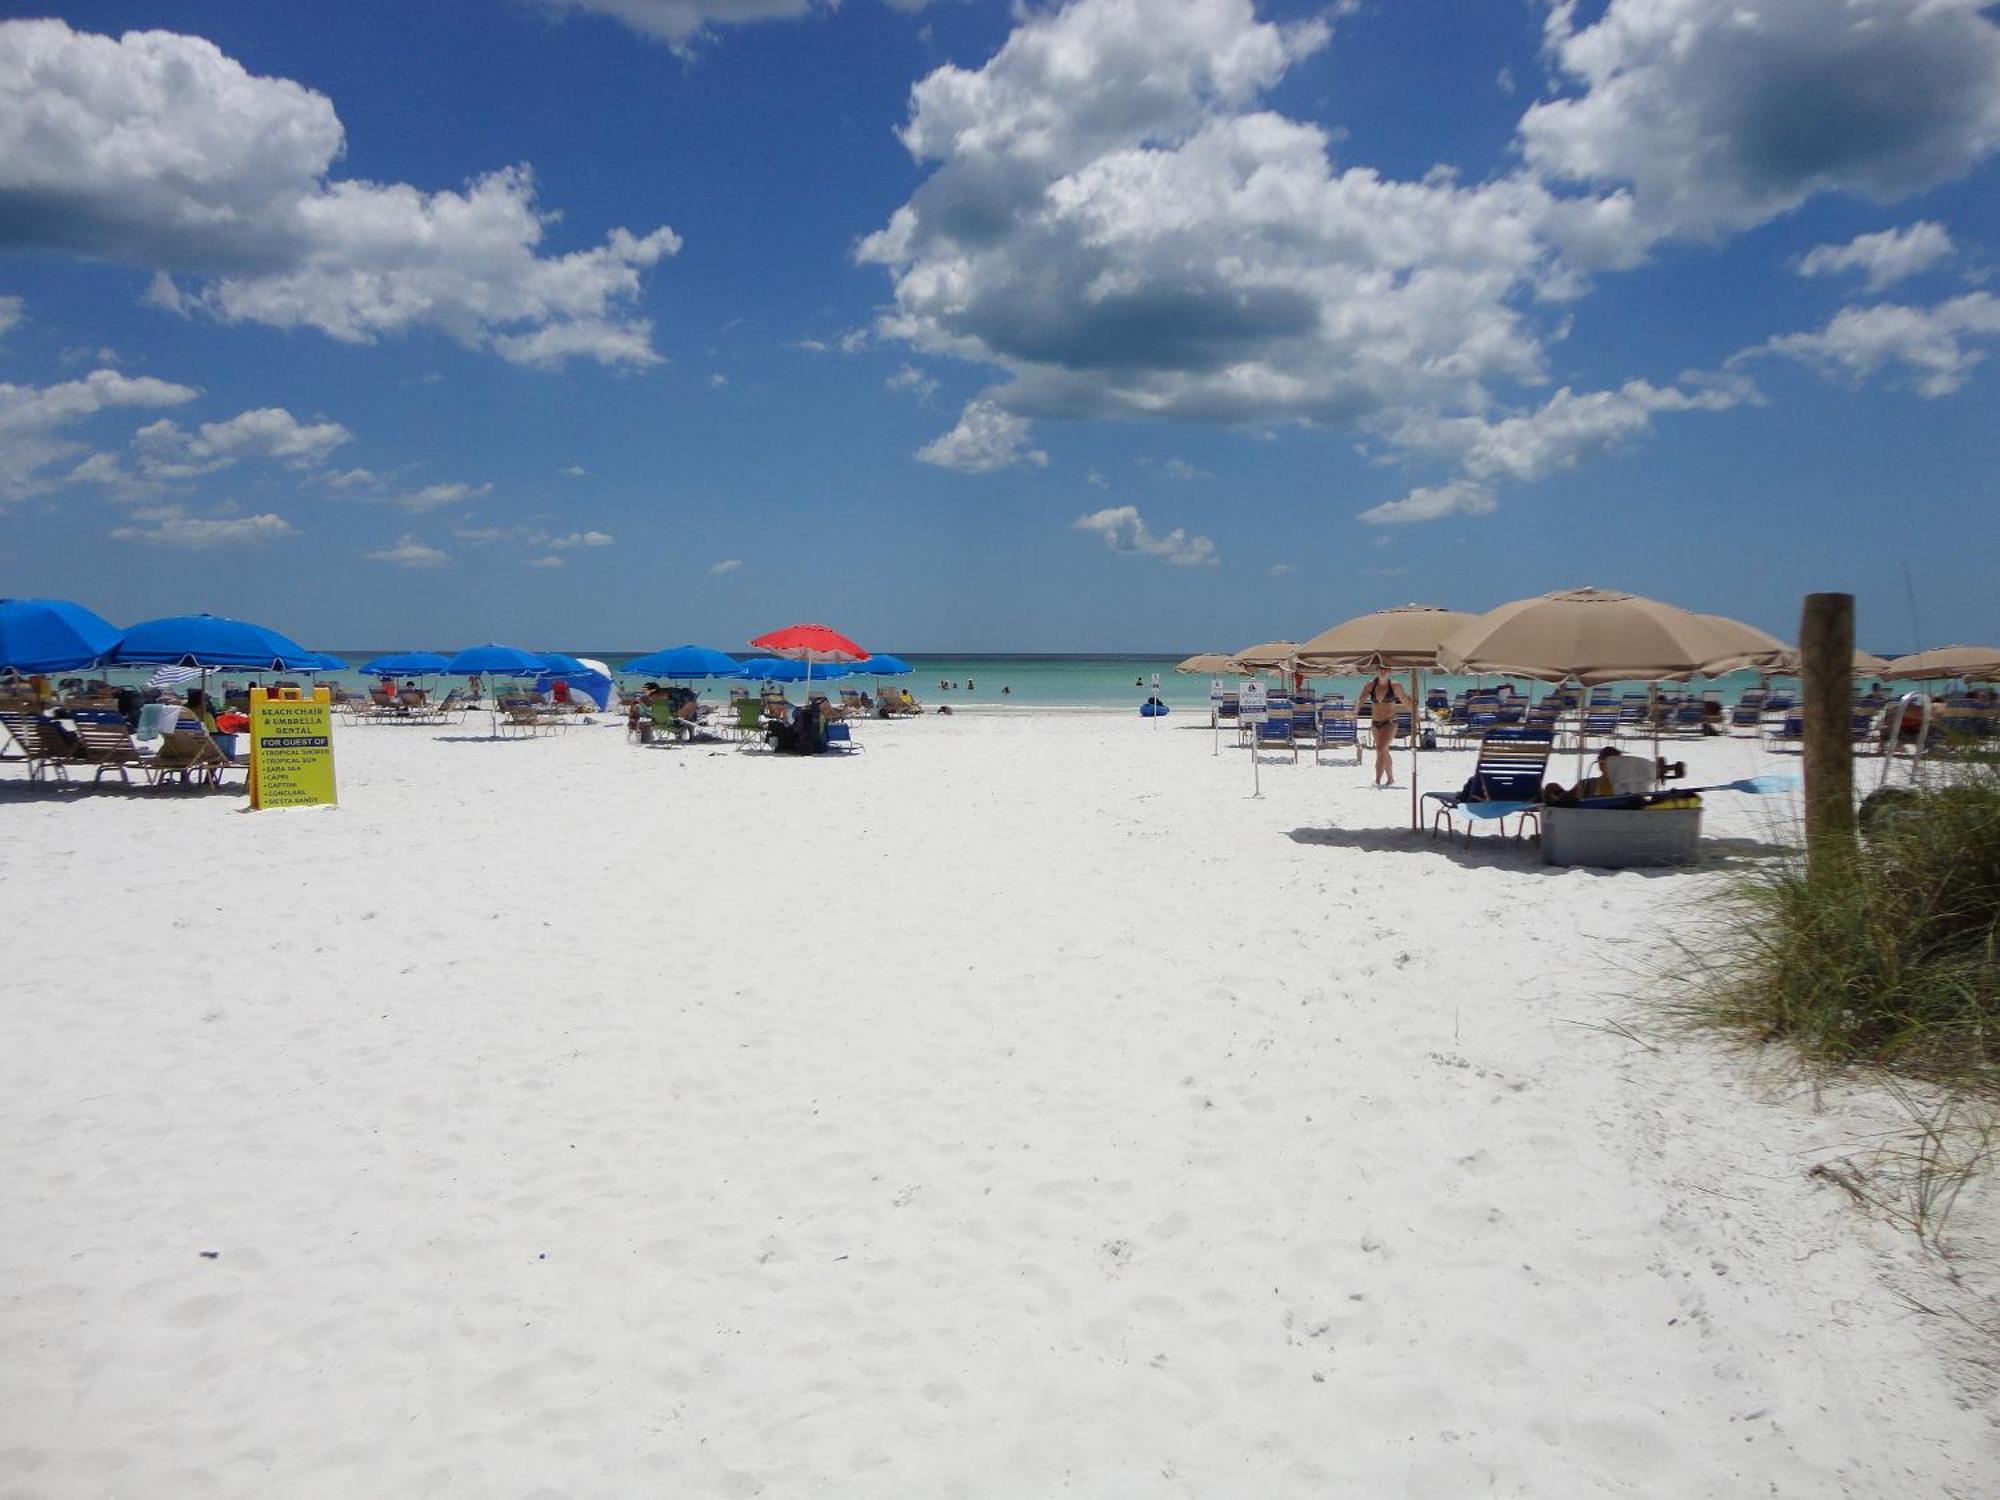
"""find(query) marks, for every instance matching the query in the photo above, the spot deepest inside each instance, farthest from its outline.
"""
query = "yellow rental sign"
(291, 750)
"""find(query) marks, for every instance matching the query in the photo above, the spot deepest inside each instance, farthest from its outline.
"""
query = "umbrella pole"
(1415, 738)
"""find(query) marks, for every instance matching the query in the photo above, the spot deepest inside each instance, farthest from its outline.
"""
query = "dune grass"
(1888, 961)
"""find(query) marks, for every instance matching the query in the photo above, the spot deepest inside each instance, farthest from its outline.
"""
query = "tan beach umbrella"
(1866, 664)
(1973, 663)
(1407, 636)
(1210, 664)
(1749, 647)
(1589, 636)
(1272, 656)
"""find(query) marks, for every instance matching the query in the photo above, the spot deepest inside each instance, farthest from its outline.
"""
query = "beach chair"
(107, 745)
(1305, 722)
(44, 750)
(667, 726)
(749, 717)
(1337, 730)
(188, 751)
(1749, 710)
(1601, 719)
(1791, 730)
(840, 739)
(1275, 733)
(1482, 715)
(1632, 717)
(1509, 774)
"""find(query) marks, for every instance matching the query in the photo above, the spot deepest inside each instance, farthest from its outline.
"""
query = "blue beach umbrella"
(208, 641)
(406, 664)
(772, 669)
(882, 664)
(51, 635)
(686, 661)
(327, 662)
(581, 676)
(493, 660)
(776, 669)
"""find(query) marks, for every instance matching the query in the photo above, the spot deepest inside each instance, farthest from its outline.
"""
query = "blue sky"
(1123, 325)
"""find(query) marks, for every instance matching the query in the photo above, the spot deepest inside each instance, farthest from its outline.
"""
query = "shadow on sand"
(1492, 851)
(70, 791)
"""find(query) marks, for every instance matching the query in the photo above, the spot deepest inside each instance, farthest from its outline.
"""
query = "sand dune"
(1014, 1108)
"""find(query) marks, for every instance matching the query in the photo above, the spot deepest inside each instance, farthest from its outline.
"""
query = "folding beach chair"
(1482, 715)
(1305, 722)
(107, 744)
(1749, 710)
(1508, 780)
(1601, 720)
(1337, 730)
(1275, 733)
(1791, 730)
(43, 749)
(187, 751)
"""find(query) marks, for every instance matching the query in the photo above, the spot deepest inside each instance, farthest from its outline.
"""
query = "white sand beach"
(1014, 1108)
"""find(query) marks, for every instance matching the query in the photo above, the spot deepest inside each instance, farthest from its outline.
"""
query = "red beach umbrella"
(810, 643)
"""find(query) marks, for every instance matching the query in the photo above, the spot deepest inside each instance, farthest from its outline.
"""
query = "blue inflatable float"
(1153, 709)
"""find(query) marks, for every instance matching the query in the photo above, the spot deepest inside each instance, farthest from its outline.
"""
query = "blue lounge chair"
(1337, 730)
(1275, 733)
(1749, 710)
(1512, 765)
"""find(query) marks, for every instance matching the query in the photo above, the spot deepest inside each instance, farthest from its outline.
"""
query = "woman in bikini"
(1381, 698)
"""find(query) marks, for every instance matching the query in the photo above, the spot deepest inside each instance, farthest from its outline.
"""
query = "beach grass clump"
(1889, 960)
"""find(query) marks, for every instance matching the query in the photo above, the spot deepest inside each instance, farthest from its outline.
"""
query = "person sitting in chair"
(804, 735)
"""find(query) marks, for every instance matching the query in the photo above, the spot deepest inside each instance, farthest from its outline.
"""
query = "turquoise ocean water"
(1107, 682)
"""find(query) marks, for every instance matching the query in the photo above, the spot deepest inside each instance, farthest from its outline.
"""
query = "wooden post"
(1826, 675)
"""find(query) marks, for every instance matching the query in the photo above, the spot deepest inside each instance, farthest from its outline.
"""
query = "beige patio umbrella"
(1210, 664)
(1973, 663)
(1866, 664)
(1750, 647)
(1408, 637)
(1272, 656)
(1590, 636)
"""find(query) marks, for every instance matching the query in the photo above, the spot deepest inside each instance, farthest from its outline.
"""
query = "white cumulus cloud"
(1931, 348)
(33, 419)
(410, 552)
(582, 539)
(438, 496)
(1124, 530)
(1884, 258)
(1460, 497)
(1565, 429)
(681, 23)
(12, 310)
(172, 526)
(164, 450)
(1115, 224)
(159, 150)
(1720, 114)
(986, 439)
(727, 565)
